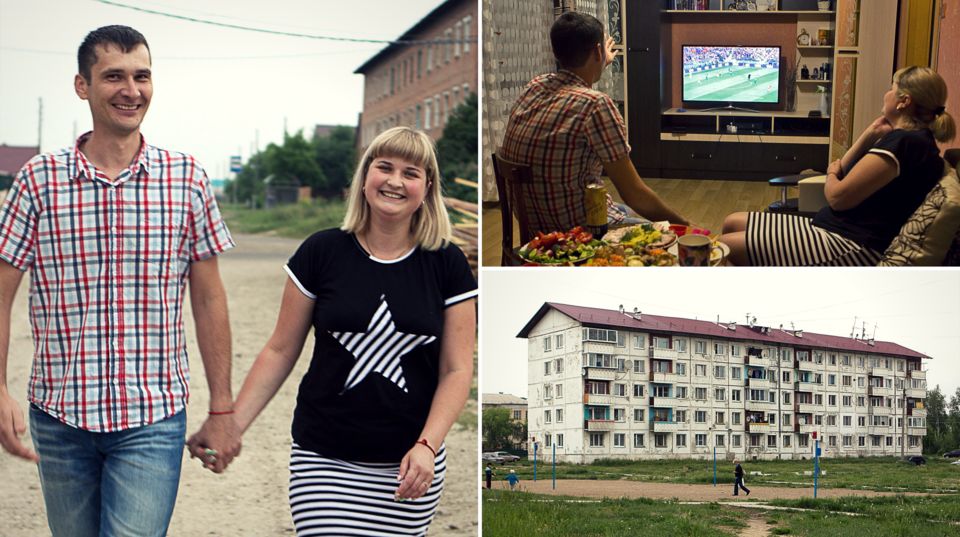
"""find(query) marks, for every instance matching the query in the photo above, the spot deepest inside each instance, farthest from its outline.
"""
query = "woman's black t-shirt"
(878, 219)
(377, 327)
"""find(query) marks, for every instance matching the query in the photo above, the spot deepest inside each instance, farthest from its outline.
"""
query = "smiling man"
(111, 230)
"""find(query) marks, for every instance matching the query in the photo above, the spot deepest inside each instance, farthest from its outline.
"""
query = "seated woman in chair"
(871, 191)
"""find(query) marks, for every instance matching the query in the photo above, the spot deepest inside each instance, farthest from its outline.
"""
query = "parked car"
(951, 454)
(915, 459)
(507, 457)
(491, 457)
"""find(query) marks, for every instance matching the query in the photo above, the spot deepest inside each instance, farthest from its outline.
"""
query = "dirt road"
(251, 497)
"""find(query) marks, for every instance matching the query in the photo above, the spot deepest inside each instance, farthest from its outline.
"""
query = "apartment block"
(516, 406)
(424, 75)
(608, 384)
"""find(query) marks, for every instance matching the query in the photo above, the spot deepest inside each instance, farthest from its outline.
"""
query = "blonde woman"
(871, 191)
(391, 302)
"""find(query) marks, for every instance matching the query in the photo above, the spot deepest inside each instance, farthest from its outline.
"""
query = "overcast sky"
(919, 309)
(213, 87)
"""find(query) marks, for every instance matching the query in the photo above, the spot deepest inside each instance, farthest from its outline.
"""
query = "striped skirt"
(337, 497)
(788, 240)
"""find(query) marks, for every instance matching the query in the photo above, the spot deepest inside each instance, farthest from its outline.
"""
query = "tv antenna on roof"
(853, 331)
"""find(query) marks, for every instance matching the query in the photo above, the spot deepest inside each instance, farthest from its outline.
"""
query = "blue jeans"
(109, 484)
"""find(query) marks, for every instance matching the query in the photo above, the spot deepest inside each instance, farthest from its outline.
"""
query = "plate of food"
(652, 257)
(682, 230)
(718, 254)
(560, 248)
(642, 236)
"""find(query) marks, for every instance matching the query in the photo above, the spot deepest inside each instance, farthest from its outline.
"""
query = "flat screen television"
(717, 75)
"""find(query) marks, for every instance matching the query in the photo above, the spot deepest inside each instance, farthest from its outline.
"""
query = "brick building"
(614, 384)
(419, 84)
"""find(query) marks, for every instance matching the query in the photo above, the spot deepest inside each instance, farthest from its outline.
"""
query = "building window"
(546, 367)
(681, 369)
(619, 439)
(700, 416)
(719, 371)
(547, 439)
(682, 345)
(559, 341)
(457, 29)
(594, 359)
(621, 340)
(560, 440)
(638, 341)
(719, 394)
(700, 370)
(620, 390)
(720, 418)
(638, 366)
(619, 414)
(735, 373)
(466, 33)
(734, 395)
(546, 344)
(596, 387)
(786, 398)
(429, 58)
(517, 414)
(786, 419)
(638, 414)
(735, 417)
(700, 393)
(719, 440)
(786, 440)
(660, 440)
(446, 50)
(600, 335)
(719, 349)
(419, 63)
(681, 392)
(661, 342)
(596, 439)
(831, 380)
(638, 390)
(637, 440)
(427, 107)
(700, 347)
(735, 440)
(680, 416)
(559, 412)
(701, 440)
(803, 441)
(681, 440)
(558, 391)
(546, 416)
(661, 390)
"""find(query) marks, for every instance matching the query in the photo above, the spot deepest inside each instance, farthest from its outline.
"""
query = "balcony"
(662, 401)
(918, 374)
(917, 431)
(758, 383)
(665, 426)
(666, 378)
(758, 427)
(880, 430)
(656, 353)
(807, 408)
(598, 426)
(880, 391)
(604, 399)
(917, 393)
(750, 404)
(807, 386)
(917, 412)
(879, 371)
(881, 411)
(804, 365)
(807, 428)
(600, 373)
(756, 360)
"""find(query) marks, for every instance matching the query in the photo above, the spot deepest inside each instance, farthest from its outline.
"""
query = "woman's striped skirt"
(337, 497)
(788, 240)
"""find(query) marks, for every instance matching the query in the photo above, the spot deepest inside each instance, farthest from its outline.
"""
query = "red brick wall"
(446, 75)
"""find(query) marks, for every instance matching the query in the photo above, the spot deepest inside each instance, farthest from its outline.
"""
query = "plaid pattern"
(108, 263)
(565, 131)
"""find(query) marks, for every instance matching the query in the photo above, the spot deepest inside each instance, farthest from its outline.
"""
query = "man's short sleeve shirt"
(565, 131)
(109, 261)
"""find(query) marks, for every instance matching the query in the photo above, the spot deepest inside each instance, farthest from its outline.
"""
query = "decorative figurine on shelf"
(816, 74)
(751, 5)
(804, 73)
(804, 38)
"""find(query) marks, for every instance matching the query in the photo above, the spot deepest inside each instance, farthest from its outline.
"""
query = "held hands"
(216, 443)
(12, 427)
(416, 473)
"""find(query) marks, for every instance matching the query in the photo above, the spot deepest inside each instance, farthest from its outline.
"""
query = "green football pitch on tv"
(732, 84)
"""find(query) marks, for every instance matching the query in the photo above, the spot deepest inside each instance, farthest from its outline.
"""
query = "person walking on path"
(489, 475)
(738, 484)
(513, 480)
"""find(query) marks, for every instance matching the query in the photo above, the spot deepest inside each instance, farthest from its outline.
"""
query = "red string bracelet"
(426, 443)
(220, 413)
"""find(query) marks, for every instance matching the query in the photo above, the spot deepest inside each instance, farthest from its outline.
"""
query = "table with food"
(653, 244)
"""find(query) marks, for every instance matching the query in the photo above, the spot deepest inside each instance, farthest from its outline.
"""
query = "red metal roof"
(658, 323)
(12, 158)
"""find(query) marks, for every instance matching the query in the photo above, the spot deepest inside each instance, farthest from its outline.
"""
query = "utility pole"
(903, 430)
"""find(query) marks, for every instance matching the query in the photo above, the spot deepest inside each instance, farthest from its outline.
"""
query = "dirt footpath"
(666, 491)
(251, 497)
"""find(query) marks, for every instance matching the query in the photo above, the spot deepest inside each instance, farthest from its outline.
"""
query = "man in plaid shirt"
(111, 230)
(568, 132)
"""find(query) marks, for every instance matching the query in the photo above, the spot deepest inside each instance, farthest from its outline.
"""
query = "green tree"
(457, 150)
(953, 420)
(937, 427)
(294, 161)
(497, 428)
(336, 156)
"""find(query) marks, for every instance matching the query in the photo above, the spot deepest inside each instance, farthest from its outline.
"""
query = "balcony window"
(600, 335)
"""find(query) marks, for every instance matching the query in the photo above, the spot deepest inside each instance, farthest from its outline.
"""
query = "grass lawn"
(509, 514)
(295, 221)
(904, 516)
(874, 473)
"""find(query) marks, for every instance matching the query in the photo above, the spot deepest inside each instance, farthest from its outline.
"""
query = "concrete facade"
(419, 85)
(606, 384)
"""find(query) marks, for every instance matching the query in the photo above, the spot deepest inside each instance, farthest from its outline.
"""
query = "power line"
(207, 58)
(472, 39)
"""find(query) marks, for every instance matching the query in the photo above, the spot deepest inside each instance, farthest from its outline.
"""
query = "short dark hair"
(124, 37)
(574, 36)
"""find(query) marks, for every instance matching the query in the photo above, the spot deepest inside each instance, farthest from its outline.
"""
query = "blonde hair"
(430, 224)
(929, 94)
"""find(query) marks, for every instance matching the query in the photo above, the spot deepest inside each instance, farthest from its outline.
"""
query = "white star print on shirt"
(380, 348)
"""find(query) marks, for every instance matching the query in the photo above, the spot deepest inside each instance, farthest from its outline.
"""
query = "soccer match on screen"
(731, 74)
